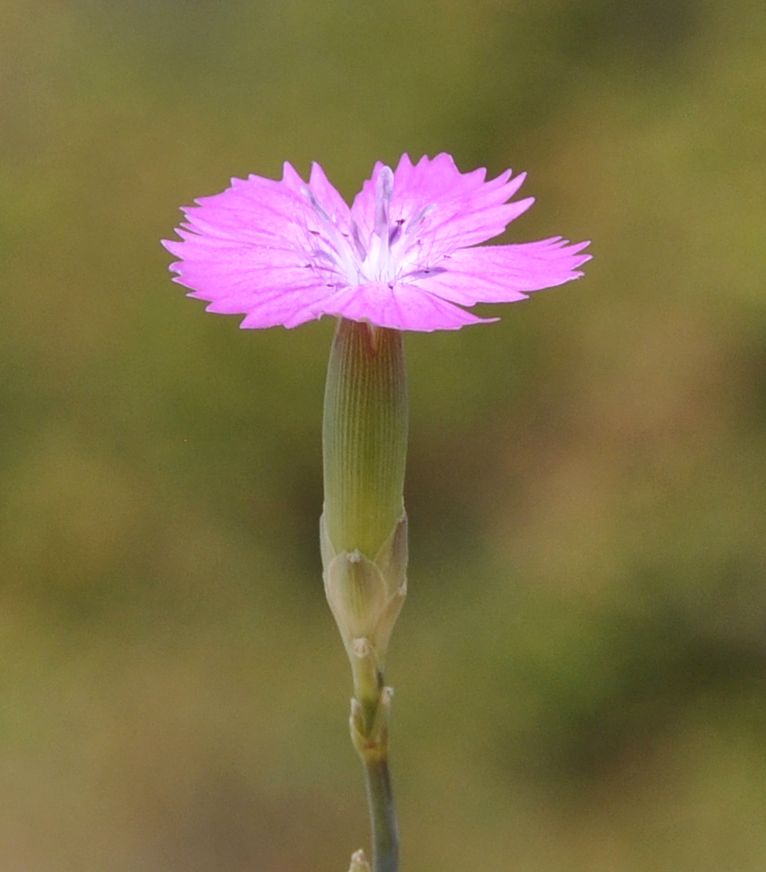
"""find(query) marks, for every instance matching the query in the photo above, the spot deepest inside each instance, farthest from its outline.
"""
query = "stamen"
(360, 249)
(396, 231)
(382, 201)
(385, 185)
(333, 245)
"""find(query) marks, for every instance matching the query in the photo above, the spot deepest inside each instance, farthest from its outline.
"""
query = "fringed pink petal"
(505, 273)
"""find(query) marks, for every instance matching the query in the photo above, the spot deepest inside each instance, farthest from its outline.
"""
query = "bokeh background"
(581, 664)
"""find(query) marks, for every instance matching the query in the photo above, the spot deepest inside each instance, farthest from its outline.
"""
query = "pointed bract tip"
(359, 862)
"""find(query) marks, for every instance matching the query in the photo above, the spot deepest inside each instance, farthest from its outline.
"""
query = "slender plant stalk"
(369, 733)
(385, 836)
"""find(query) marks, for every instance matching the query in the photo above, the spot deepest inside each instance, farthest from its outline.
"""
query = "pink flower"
(404, 256)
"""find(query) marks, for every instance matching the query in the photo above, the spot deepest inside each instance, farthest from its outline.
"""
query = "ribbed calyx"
(364, 437)
(364, 526)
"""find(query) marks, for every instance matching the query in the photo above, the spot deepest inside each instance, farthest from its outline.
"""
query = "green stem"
(385, 837)
(369, 733)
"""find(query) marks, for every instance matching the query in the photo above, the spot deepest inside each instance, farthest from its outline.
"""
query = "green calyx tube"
(364, 525)
(364, 437)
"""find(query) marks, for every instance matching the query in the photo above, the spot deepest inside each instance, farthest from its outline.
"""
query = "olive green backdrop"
(581, 664)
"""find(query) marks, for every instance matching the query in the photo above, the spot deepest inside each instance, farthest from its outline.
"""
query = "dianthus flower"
(405, 255)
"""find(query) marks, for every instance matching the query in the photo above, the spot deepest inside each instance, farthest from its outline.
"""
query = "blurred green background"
(581, 663)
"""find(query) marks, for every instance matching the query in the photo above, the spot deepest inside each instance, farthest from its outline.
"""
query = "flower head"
(405, 255)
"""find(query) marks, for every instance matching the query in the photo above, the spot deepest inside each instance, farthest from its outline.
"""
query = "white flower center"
(393, 252)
